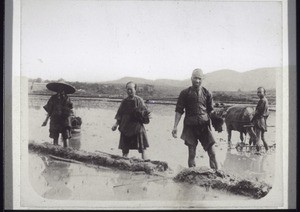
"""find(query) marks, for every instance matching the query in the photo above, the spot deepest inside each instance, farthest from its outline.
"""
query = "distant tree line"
(150, 92)
(243, 96)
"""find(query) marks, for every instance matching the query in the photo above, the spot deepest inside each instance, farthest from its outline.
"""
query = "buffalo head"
(217, 119)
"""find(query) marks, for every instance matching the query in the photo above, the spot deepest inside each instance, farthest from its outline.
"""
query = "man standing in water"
(196, 101)
(260, 118)
(59, 110)
(131, 117)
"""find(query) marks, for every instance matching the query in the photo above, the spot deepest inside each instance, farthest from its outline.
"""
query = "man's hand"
(174, 132)
(46, 120)
(114, 127)
(177, 119)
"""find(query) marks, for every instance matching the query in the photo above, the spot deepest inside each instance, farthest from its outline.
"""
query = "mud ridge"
(100, 159)
(208, 178)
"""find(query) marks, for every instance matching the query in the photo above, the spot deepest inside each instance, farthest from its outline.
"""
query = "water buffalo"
(217, 120)
(238, 118)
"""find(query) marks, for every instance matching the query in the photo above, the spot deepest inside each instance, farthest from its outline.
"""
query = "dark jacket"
(196, 105)
(131, 116)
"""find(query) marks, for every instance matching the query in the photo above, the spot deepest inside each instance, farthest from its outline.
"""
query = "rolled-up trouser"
(261, 123)
(60, 125)
(191, 134)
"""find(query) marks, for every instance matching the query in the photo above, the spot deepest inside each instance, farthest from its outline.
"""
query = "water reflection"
(96, 134)
(36, 107)
(57, 176)
(188, 191)
(130, 186)
(246, 164)
(94, 103)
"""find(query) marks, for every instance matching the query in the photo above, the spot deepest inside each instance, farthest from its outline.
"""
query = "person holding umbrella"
(59, 110)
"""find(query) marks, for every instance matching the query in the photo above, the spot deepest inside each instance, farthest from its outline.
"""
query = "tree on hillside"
(61, 80)
(39, 80)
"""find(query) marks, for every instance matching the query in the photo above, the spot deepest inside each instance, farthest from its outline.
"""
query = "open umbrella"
(61, 86)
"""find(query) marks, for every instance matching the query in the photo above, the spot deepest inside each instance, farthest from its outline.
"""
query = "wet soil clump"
(98, 158)
(205, 177)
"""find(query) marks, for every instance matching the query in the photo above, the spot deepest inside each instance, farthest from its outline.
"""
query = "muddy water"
(60, 180)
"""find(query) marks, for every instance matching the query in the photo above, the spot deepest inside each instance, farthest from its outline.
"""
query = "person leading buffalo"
(260, 118)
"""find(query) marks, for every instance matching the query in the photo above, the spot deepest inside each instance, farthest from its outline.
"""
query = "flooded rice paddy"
(53, 179)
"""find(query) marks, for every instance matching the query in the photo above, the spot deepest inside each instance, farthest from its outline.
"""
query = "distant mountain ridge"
(220, 80)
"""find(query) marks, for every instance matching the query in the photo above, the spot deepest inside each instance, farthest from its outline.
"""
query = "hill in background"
(225, 85)
(221, 80)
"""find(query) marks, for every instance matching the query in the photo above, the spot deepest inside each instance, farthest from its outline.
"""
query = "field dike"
(202, 176)
(98, 158)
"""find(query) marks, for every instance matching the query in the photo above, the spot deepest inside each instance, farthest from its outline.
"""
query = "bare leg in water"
(55, 141)
(212, 157)
(144, 155)
(258, 133)
(211, 153)
(264, 141)
(125, 152)
(192, 155)
(66, 142)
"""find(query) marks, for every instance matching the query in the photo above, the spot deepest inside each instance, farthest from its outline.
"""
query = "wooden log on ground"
(202, 176)
(99, 159)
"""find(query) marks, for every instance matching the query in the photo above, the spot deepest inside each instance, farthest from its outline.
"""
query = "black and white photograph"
(150, 104)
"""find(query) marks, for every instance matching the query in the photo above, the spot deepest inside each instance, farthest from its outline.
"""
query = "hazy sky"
(97, 40)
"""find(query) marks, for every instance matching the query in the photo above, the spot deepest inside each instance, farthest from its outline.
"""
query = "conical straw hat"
(61, 86)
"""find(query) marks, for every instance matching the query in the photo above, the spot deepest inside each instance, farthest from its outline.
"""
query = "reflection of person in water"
(57, 177)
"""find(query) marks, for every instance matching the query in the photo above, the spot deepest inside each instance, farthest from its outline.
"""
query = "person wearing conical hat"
(59, 110)
(197, 104)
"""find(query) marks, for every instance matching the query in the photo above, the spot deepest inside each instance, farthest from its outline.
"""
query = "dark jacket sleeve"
(118, 116)
(181, 101)
(209, 102)
(67, 108)
(49, 106)
(260, 108)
